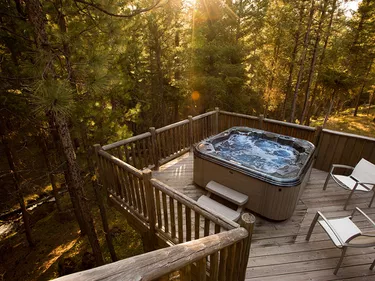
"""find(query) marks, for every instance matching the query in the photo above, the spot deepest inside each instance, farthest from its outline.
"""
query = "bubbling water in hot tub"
(255, 152)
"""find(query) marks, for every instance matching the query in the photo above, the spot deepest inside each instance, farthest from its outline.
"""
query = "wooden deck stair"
(226, 193)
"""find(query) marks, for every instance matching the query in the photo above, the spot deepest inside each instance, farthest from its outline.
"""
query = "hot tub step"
(227, 193)
(207, 202)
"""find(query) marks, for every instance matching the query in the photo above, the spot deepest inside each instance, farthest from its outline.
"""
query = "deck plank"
(279, 250)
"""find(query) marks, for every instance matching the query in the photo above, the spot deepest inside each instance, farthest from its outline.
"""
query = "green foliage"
(52, 96)
(218, 69)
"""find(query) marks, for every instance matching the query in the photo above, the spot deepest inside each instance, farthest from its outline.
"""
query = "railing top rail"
(200, 116)
(120, 163)
(171, 126)
(155, 264)
(126, 141)
(187, 201)
(239, 115)
(308, 128)
(348, 135)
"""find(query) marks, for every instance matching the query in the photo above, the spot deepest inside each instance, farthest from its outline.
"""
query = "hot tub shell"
(269, 196)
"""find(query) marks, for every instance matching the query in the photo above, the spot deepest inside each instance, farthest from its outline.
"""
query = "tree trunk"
(293, 61)
(330, 108)
(17, 181)
(157, 86)
(313, 61)
(362, 88)
(358, 71)
(37, 18)
(76, 186)
(73, 197)
(321, 60)
(270, 84)
(42, 143)
(370, 102)
(98, 193)
(302, 62)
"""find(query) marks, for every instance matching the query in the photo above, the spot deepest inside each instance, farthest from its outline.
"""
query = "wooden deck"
(279, 250)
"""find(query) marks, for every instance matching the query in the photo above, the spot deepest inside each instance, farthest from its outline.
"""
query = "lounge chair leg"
(313, 223)
(340, 261)
(326, 182)
(372, 200)
(372, 265)
(347, 200)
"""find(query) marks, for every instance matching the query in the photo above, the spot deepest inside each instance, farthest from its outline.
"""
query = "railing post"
(191, 137)
(99, 197)
(261, 119)
(97, 147)
(102, 175)
(247, 221)
(149, 238)
(317, 140)
(155, 150)
(318, 133)
(216, 129)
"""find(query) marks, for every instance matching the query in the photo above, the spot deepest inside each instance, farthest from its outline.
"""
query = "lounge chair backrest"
(364, 171)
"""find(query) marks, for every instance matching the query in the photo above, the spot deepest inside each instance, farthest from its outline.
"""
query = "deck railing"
(162, 212)
(180, 219)
(343, 148)
(216, 257)
(230, 119)
(124, 183)
(167, 217)
(159, 146)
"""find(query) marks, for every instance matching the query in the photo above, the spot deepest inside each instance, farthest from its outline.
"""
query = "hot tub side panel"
(273, 202)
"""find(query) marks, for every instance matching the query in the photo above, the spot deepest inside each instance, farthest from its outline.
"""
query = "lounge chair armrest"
(363, 214)
(331, 227)
(334, 166)
(370, 183)
(364, 245)
(364, 184)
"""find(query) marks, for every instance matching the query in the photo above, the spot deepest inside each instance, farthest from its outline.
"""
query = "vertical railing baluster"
(188, 223)
(223, 264)
(191, 137)
(158, 207)
(149, 190)
(165, 212)
(180, 223)
(196, 225)
(173, 217)
(214, 266)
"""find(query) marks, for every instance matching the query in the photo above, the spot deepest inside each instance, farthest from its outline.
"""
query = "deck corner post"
(155, 150)
(101, 176)
(191, 136)
(317, 141)
(247, 221)
(97, 147)
(261, 120)
(149, 238)
(216, 128)
(318, 133)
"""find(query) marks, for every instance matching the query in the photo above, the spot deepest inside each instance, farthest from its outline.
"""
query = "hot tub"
(271, 169)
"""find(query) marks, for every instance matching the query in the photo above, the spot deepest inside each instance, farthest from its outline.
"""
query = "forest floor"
(362, 124)
(59, 246)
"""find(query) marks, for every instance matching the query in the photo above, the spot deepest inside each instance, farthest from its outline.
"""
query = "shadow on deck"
(279, 250)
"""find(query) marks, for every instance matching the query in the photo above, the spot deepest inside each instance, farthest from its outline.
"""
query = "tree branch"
(134, 13)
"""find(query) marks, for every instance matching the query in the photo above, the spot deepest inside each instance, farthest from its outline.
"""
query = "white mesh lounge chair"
(362, 178)
(344, 233)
